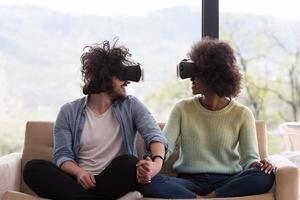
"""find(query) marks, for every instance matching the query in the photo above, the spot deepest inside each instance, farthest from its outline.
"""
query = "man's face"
(119, 91)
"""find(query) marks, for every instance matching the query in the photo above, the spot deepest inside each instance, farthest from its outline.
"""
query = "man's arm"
(147, 126)
(155, 143)
(158, 152)
(62, 137)
(150, 167)
(63, 154)
(172, 132)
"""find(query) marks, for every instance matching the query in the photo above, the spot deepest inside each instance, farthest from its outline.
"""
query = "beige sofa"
(38, 145)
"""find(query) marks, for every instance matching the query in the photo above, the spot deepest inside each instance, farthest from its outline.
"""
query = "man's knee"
(127, 160)
(32, 168)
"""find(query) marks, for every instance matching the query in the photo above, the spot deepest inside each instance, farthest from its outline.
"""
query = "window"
(41, 43)
(265, 37)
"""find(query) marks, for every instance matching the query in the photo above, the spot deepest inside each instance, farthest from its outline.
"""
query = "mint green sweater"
(222, 141)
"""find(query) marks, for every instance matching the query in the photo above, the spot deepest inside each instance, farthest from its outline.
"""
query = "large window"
(41, 43)
(265, 37)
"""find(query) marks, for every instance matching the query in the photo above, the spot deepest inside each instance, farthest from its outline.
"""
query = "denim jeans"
(249, 182)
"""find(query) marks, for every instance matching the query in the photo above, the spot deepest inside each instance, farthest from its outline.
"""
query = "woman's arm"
(172, 129)
(248, 140)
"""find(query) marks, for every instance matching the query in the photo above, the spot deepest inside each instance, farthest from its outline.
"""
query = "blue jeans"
(249, 182)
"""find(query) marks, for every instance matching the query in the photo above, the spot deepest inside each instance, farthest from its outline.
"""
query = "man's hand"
(86, 179)
(147, 169)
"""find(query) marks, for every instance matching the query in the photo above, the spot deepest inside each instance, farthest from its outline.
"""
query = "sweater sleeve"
(172, 129)
(248, 140)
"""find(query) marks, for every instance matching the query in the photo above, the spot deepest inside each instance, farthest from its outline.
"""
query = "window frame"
(210, 18)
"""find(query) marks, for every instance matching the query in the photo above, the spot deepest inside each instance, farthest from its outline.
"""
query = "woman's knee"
(264, 181)
(157, 183)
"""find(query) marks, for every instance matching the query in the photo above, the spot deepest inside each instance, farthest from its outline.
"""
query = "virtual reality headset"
(187, 69)
(132, 73)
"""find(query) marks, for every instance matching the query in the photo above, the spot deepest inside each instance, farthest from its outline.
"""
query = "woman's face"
(198, 87)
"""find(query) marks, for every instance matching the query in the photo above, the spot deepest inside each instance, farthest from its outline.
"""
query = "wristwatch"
(157, 156)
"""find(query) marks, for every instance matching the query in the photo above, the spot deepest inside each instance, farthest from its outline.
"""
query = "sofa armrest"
(10, 172)
(287, 180)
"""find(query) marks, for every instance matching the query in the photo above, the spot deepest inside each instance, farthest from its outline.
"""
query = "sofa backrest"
(39, 143)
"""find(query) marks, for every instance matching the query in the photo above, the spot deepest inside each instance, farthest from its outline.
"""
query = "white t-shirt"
(101, 141)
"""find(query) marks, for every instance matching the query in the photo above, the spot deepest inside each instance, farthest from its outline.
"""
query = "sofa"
(38, 145)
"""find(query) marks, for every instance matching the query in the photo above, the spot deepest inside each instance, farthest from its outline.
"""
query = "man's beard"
(117, 95)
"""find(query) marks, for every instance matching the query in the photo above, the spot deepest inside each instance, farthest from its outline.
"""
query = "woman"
(219, 152)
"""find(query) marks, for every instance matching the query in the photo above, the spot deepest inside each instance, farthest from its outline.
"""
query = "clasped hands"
(147, 169)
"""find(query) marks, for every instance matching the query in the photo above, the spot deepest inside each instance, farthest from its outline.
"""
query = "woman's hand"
(86, 179)
(265, 165)
(147, 169)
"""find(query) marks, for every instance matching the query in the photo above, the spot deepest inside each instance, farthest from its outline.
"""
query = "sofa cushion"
(10, 170)
(13, 195)
(267, 196)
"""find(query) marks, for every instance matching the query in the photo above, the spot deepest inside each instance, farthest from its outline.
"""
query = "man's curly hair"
(100, 62)
(217, 66)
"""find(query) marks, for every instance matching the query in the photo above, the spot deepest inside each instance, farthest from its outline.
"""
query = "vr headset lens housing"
(132, 73)
(187, 69)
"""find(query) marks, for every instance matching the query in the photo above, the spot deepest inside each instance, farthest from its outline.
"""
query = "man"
(94, 136)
